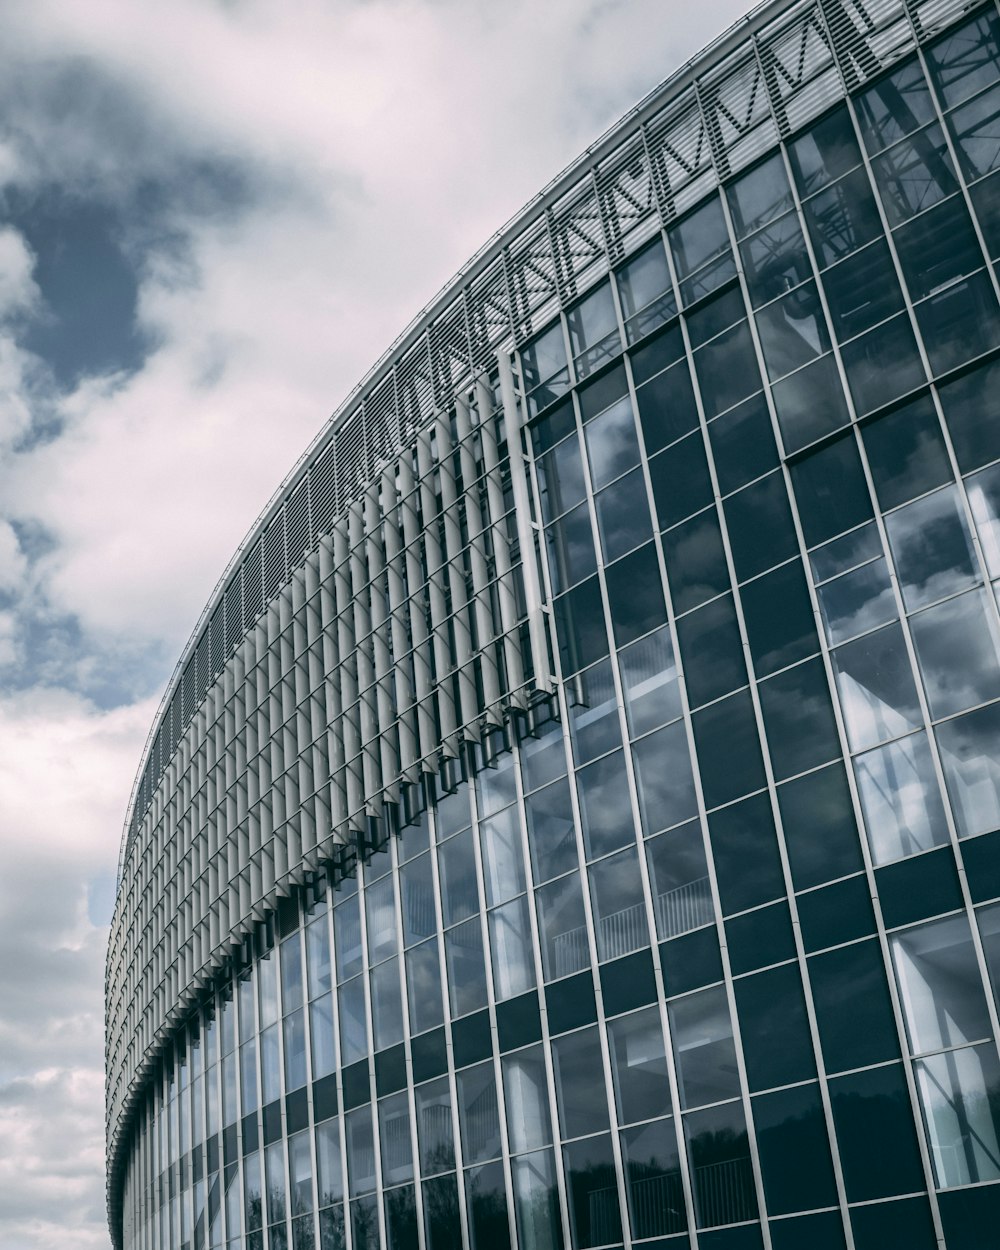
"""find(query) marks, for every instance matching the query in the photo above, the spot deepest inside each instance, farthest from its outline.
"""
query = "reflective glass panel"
(940, 987)
(900, 799)
(619, 909)
(702, 1035)
(682, 893)
(972, 769)
(877, 692)
(958, 653)
(639, 1066)
(932, 548)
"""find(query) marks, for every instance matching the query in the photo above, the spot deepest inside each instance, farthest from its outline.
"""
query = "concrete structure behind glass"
(575, 820)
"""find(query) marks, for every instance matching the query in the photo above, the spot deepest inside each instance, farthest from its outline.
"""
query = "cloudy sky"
(216, 215)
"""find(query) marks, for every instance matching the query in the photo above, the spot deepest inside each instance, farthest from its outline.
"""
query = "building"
(575, 820)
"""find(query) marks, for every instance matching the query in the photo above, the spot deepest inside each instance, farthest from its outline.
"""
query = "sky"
(215, 216)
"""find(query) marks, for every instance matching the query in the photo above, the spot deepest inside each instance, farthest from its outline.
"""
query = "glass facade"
(700, 948)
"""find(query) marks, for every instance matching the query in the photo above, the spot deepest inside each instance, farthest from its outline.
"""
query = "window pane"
(960, 322)
(824, 152)
(605, 807)
(809, 404)
(743, 444)
(728, 746)
(682, 896)
(724, 1190)
(877, 691)
(623, 519)
(457, 866)
(727, 370)
(486, 1198)
(702, 1035)
(932, 548)
(906, 453)
(593, 330)
(569, 542)
(360, 1150)
(700, 245)
(915, 174)
(938, 247)
(882, 365)
(594, 1212)
(560, 478)
(774, 1028)
(680, 480)
(984, 496)
(779, 619)
(667, 408)
(759, 197)
(857, 602)
(696, 561)
(761, 534)
(878, 1144)
(900, 799)
(965, 60)
(478, 1114)
(975, 129)
(635, 595)
(853, 1009)
(745, 850)
(663, 778)
(579, 1088)
(612, 445)
(583, 638)
(972, 770)
(798, 719)
(940, 988)
(434, 1127)
(842, 218)
(551, 832)
(894, 107)
(423, 983)
(959, 1096)
(712, 651)
(510, 943)
(649, 677)
(394, 1138)
(958, 653)
(831, 491)
(562, 928)
(653, 1177)
(862, 291)
(792, 331)
(536, 1202)
(463, 948)
(645, 291)
(775, 260)
(821, 832)
(794, 1150)
(526, 1092)
(639, 1066)
(380, 911)
(619, 909)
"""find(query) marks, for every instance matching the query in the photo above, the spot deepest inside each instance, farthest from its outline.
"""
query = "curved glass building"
(575, 820)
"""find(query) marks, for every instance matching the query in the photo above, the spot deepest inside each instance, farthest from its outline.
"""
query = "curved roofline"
(653, 101)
